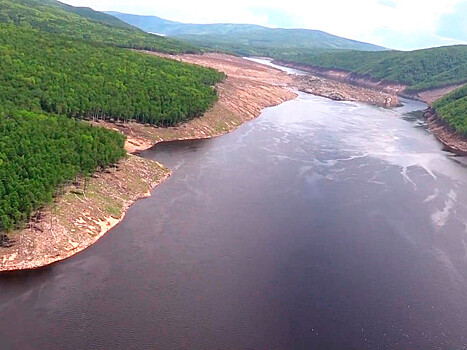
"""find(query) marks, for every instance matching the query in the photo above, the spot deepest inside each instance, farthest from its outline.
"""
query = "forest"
(452, 109)
(46, 73)
(85, 24)
(60, 64)
(40, 152)
(420, 69)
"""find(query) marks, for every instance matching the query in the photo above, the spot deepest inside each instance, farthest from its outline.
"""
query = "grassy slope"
(85, 24)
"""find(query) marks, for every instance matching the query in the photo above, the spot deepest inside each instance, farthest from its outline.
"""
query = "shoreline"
(82, 214)
(451, 140)
(78, 218)
(248, 89)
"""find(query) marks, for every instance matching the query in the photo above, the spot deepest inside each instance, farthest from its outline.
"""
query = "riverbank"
(451, 140)
(365, 81)
(347, 77)
(79, 217)
(339, 91)
(248, 89)
(85, 211)
(82, 214)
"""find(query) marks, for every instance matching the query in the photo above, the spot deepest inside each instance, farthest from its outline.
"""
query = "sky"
(396, 24)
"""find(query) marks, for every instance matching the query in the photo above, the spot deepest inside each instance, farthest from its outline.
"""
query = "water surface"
(319, 225)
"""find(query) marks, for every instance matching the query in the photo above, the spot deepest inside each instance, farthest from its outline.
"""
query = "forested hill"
(452, 109)
(45, 73)
(420, 69)
(58, 66)
(85, 24)
(244, 39)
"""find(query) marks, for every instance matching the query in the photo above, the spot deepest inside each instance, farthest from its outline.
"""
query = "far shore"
(452, 141)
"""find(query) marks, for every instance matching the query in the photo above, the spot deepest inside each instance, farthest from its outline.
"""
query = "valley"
(228, 186)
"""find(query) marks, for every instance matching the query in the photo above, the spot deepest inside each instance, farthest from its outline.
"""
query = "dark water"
(320, 225)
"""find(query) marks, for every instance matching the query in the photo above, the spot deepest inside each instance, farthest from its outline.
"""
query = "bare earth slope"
(248, 88)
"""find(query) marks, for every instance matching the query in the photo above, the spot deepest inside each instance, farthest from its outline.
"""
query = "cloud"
(388, 3)
(454, 25)
(401, 24)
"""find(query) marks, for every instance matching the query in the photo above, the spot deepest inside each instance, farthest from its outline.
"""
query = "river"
(319, 225)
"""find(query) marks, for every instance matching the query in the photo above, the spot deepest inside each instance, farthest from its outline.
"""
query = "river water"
(319, 225)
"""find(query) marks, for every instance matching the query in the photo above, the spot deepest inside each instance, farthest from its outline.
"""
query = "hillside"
(452, 109)
(419, 70)
(46, 73)
(85, 24)
(55, 68)
(244, 39)
(39, 153)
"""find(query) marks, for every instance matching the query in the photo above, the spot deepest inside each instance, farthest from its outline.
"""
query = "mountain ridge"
(83, 23)
(244, 38)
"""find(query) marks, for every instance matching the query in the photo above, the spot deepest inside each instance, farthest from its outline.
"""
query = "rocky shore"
(347, 77)
(339, 91)
(451, 140)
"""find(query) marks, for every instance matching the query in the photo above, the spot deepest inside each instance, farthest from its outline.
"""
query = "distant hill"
(420, 69)
(84, 23)
(246, 39)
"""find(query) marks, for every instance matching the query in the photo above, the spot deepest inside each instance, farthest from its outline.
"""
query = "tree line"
(452, 109)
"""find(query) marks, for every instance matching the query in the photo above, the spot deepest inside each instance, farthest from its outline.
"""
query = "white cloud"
(366, 20)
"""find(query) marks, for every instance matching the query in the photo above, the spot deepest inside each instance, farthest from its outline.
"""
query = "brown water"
(320, 225)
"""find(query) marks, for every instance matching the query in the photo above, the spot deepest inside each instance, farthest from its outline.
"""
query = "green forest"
(40, 152)
(46, 73)
(452, 109)
(85, 24)
(420, 69)
(60, 64)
